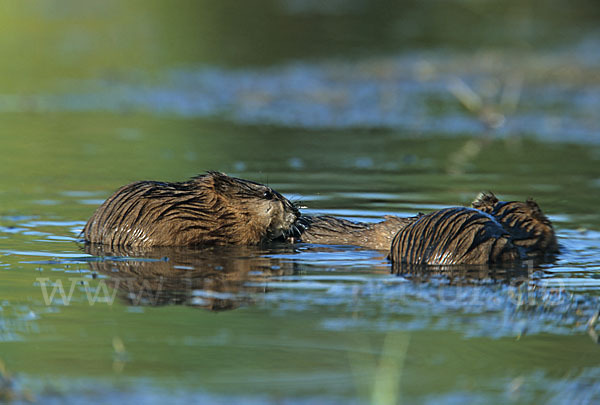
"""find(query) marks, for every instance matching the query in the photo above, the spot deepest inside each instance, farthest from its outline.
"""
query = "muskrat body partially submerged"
(494, 232)
(217, 209)
(445, 237)
(453, 236)
(328, 230)
(525, 222)
(206, 210)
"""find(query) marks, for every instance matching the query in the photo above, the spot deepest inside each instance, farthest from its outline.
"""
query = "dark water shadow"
(532, 267)
(227, 277)
(463, 275)
(213, 278)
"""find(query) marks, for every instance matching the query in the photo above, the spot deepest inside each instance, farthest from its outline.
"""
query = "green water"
(351, 109)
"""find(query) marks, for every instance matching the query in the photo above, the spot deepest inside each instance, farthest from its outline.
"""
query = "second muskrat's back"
(209, 209)
(453, 236)
(520, 227)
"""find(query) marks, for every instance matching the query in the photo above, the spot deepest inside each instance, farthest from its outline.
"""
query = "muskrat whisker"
(295, 200)
(295, 231)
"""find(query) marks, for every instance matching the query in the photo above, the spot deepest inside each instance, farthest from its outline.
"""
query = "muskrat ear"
(484, 199)
(536, 211)
(218, 181)
(216, 175)
(221, 181)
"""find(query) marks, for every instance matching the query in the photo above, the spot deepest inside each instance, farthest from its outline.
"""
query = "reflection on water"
(467, 275)
(460, 94)
(535, 86)
(500, 301)
(214, 278)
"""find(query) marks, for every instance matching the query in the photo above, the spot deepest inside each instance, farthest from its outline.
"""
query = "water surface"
(352, 111)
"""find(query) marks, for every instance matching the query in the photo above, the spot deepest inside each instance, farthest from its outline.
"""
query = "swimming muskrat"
(206, 210)
(510, 230)
(454, 236)
(328, 230)
(529, 227)
(450, 236)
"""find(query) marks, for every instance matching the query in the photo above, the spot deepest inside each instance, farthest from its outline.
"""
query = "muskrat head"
(485, 202)
(525, 221)
(266, 213)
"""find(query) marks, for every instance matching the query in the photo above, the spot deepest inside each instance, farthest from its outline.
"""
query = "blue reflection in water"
(459, 95)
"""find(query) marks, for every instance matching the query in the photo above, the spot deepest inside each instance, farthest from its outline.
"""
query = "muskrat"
(525, 222)
(519, 226)
(328, 230)
(454, 236)
(450, 236)
(210, 209)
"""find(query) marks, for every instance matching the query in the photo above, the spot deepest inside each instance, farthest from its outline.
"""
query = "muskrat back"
(453, 236)
(209, 209)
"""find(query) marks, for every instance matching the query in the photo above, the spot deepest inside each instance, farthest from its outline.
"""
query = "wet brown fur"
(453, 236)
(529, 227)
(210, 209)
(328, 230)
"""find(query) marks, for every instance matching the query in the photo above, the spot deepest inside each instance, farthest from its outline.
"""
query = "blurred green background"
(45, 41)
